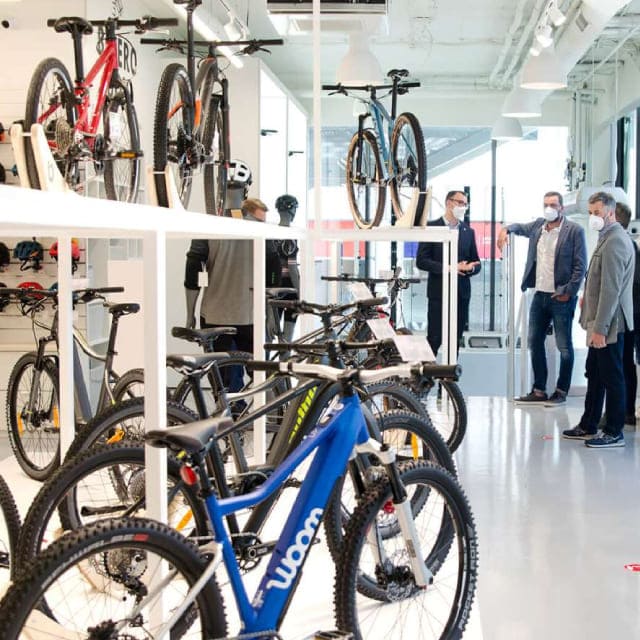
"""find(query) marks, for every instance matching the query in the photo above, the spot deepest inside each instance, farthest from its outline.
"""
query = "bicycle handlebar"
(345, 277)
(146, 23)
(344, 345)
(302, 306)
(215, 43)
(22, 292)
(343, 88)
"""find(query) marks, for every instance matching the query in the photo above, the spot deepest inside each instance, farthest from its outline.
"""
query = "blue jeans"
(605, 377)
(543, 312)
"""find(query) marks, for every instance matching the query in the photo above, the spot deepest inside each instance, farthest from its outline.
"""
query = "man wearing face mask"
(555, 268)
(429, 258)
(607, 312)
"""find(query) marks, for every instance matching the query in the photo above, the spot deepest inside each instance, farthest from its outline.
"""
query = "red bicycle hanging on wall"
(92, 134)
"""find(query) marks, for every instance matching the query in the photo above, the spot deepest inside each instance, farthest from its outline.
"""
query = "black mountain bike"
(191, 129)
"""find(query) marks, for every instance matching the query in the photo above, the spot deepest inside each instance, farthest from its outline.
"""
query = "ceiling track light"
(544, 35)
(555, 15)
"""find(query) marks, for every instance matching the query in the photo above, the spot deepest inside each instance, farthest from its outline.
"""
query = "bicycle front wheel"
(122, 147)
(447, 409)
(410, 166)
(376, 595)
(173, 133)
(366, 189)
(34, 425)
(51, 103)
(116, 578)
(9, 532)
(129, 385)
(106, 481)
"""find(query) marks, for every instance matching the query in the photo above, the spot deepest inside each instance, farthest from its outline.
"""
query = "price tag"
(203, 279)
(414, 349)
(381, 328)
(115, 125)
(359, 291)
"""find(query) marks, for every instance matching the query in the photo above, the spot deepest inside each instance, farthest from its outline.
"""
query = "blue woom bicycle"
(390, 152)
(408, 564)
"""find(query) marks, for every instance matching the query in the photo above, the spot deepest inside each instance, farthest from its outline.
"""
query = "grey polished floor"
(557, 524)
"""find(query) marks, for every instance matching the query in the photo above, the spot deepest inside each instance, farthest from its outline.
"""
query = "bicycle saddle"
(191, 437)
(397, 73)
(124, 308)
(280, 292)
(73, 24)
(195, 364)
(202, 336)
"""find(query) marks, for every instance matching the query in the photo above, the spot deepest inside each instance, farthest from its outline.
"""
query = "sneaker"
(556, 398)
(606, 441)
(578, 433)
(532, 398)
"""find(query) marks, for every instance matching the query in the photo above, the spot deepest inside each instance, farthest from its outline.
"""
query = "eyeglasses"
(460, 203)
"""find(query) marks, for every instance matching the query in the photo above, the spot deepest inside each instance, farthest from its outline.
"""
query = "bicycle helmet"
(239, 175)
(5, 256)
(4, 299)
(33, 287)
(30, 254)
(75, 253)
(287, 203)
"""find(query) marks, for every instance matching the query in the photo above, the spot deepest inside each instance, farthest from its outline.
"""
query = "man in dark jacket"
(429, 258)
(556, 264)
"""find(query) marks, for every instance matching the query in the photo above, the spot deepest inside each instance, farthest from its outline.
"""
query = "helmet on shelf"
(238, 175)
(75, 253)
(30, 254)
(5, 256)
(286, 203)
(32, 286)
(4, 299)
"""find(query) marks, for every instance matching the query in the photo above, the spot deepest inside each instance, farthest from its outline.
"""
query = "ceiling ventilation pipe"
(587, 24)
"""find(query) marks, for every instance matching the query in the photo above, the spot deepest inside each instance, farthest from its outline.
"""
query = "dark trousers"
(434, 321)
(605, 377)
(630, 375)
(232, 377)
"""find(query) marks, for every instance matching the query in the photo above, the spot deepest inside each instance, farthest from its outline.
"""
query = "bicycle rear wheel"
(129, 385)
(102, 581)
(366, 189)
(9, 532)
(106, 481)
(410, 165)
(51, 103)
(376, 595)
(34, 430)
(121, 138)
(173, 133)
(447, 409)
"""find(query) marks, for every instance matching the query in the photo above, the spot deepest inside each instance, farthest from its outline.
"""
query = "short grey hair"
(606, 198)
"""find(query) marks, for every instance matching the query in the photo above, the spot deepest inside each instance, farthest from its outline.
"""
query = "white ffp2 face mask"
(596, 223)
(550, 214)
(459, 212)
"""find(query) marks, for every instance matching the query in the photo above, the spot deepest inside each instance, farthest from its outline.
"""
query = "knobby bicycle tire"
(106, 481)
(34, 436)
(374, 601)
(123, 420)
(172, 133)
(121, 134)
(410, 165)
(420, 441)
(213, 139)
(113, 561)
(129, 385)
(370, 182)
(58, 122)
(9, 529)
(447, 408)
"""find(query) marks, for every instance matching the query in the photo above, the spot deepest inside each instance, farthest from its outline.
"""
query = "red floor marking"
(634, 568)
(547, 437)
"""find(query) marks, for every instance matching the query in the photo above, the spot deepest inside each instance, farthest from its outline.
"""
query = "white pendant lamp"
(543, 72)
(359, 66)
(506, 129)
(522, 103)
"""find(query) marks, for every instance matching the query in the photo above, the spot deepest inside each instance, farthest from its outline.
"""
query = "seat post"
(77, 53)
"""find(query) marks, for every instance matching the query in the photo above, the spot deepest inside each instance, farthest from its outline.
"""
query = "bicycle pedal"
(331, 635)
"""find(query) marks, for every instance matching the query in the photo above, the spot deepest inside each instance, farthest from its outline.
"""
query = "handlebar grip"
(372, 302)
(408, 85)
(331, 87)
(374, 344)
(284, 304)
(441, 371)
(153, 40)
(51, 22)
(154, 23)
(108, 289)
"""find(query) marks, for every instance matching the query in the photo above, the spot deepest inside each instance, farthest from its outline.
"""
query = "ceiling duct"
(378, 7)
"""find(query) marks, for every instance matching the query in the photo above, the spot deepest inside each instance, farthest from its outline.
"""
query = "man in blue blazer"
(429, 258)
(556, 264)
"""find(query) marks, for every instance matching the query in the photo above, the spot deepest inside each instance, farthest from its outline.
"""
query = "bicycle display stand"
(18, 141)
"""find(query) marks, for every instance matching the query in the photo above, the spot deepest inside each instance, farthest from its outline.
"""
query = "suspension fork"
(361, 118)
(38, 368)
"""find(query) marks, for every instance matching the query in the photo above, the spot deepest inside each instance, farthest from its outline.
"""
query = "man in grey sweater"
(227, 299)
(607, 312)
